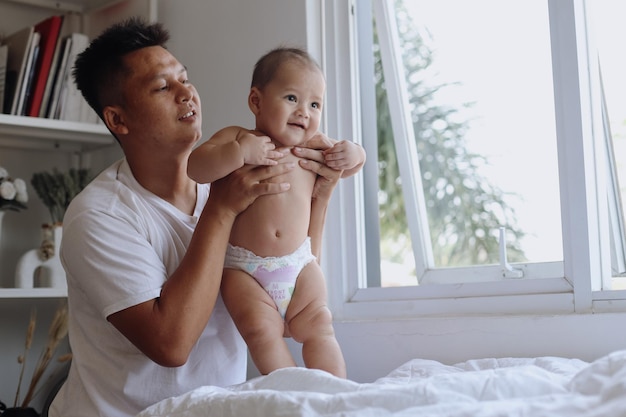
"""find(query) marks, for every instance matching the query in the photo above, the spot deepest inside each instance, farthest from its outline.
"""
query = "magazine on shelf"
(18, 44)
(71, 23)
(71, 99)
(28, 75)
(48, 30)
(58, 83)
(4, 54)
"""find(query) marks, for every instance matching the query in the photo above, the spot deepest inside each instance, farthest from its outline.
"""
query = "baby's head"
(286, 95)
(267, 66)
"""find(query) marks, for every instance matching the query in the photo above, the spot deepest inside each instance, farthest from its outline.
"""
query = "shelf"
(24, 132)
(33, 293)
(80, 6)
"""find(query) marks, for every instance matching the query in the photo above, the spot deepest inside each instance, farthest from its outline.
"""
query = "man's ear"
(254, 100)
(113, 118)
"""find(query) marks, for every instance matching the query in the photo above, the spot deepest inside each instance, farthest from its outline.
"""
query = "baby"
(272, 284)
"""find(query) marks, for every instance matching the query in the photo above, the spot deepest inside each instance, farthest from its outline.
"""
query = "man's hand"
(239, 189)
(327, 178)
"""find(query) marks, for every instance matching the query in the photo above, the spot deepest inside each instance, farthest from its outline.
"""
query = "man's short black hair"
(99, 69)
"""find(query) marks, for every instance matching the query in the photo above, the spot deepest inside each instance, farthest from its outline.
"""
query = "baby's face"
(290, 106)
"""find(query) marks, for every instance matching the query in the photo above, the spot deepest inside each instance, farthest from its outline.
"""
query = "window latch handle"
(507, 270)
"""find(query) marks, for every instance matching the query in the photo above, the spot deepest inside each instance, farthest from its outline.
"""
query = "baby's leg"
(257, 319)
(310, 322)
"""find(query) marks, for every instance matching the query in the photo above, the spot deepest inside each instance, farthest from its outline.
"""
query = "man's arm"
(167, 328)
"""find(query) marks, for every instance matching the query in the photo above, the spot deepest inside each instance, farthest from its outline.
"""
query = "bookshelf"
(38, 133)
(23, 134)
(25, 293)
(78, 6)
(79, 130)
(30, 144)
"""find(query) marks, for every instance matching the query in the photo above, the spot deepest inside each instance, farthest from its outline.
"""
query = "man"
(144, 245)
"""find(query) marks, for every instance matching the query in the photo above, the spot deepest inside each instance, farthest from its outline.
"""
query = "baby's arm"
(227, 150)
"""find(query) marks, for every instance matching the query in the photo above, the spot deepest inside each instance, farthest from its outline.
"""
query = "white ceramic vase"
(42, 267)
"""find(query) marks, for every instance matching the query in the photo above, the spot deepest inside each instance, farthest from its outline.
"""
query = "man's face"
(162, 107)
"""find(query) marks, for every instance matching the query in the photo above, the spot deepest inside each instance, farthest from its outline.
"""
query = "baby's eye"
(316, 105)
(291, 97)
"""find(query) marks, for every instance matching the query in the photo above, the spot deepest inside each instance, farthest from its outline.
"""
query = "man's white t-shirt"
(120, 244)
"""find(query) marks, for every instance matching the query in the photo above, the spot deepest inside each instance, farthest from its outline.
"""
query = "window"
(605, 18)
(479, 112)
(493, 187)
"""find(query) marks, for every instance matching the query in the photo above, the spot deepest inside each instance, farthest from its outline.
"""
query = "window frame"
(576, 289)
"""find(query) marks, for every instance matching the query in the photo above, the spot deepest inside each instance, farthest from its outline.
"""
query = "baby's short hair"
(268, 64)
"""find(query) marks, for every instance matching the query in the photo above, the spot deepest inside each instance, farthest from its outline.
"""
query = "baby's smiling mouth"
(298, 125)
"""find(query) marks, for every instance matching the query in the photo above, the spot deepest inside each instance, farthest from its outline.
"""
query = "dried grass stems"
(22, 358)
(56, 189)
(56, 334)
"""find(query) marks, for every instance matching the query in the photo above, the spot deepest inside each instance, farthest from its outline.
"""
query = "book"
(57, 86)
(4, 54)
(70, 23)
(19, 46)
(28, 74)
(48, 30)
(71, 98)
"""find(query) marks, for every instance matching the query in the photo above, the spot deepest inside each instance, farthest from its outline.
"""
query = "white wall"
(220, 41)
(372, 349)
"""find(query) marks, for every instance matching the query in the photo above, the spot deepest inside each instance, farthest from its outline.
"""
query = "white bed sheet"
(533, 387)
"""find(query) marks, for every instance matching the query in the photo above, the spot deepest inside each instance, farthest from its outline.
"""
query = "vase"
(42, 267)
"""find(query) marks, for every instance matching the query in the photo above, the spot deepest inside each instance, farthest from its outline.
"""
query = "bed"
(537, 387)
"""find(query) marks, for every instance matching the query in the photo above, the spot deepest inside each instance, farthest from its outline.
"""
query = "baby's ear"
(254, 100)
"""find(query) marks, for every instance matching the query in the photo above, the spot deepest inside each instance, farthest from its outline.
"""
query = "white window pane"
(608, 34)
(491, 74)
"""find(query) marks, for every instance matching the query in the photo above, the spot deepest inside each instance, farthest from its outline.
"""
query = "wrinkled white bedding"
(537, 387)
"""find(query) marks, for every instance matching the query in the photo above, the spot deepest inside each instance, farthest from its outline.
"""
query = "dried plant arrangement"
(13, 193)
(56, 189)
(56, 333)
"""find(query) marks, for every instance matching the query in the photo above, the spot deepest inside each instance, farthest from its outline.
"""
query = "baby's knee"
(311, 322)
(257, 328)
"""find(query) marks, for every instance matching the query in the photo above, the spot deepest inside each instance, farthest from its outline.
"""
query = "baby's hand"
(344, 155)
(257, 150)
(318, 141)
